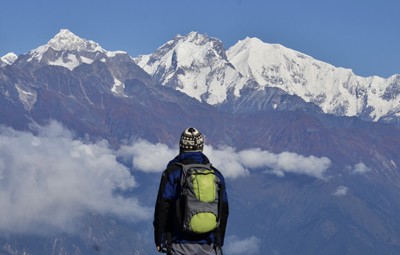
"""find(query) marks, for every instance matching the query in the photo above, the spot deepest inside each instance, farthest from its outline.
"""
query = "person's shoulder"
(172, 170)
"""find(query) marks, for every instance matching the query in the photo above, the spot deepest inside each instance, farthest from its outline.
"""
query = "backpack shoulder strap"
(186, 167)
(193, 165)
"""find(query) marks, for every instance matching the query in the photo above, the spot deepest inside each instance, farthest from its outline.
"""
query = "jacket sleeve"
(224, 213)
(162, 209)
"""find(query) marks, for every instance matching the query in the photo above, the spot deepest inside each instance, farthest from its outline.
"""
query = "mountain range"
(312, 148)
(200, 67)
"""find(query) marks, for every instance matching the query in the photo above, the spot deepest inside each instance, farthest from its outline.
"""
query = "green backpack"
(199, 202)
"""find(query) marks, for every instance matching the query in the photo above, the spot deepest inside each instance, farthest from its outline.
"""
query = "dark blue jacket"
(165, 216)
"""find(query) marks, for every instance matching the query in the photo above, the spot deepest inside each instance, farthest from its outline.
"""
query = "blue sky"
(362, 35)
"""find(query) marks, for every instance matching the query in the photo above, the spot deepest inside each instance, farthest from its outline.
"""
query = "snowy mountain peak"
(251, 56)
(66, 40)
(187, 51)
(69, 50)
(8, 59)
(195, 38)
(196, 65)
(254, 44)
(200, 67)
(334, 89)
(200, 44)
(250, 41)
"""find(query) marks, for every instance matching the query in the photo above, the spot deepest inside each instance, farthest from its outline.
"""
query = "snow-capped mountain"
(199, 66)
(196, 65)
(334, 90)
(8, 59)
(69, 50)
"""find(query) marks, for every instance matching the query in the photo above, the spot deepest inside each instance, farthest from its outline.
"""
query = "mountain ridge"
(200, 66)
(335, 90)
(200, 56)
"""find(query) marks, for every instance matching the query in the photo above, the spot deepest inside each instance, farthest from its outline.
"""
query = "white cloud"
(361, 168)
(285, 162)
(341, 191)
(230, 162)
(48, 181)
(144, 154)
(227, 161)
(236, 246)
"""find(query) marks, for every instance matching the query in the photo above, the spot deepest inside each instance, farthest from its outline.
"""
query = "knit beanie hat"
(191, 140)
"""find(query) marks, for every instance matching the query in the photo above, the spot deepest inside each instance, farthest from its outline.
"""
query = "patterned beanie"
(191, 140)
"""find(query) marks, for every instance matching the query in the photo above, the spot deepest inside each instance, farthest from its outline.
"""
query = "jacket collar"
(190, 157)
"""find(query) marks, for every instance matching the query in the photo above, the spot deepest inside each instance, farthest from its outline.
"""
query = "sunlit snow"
(27, 98)
(192, 65)
(9, 58)
(118, 87)
(199, 70)
(199, 66)
(332, 88)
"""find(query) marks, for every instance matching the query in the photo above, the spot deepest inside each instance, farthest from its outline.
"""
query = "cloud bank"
(285, 162)
(230, 162)
(48, 181)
